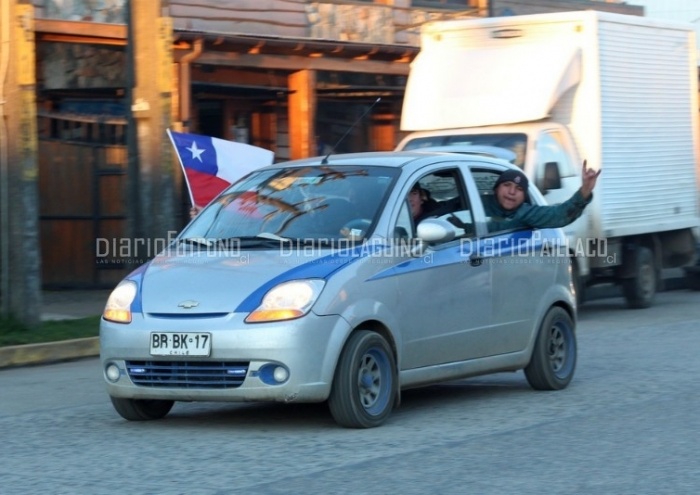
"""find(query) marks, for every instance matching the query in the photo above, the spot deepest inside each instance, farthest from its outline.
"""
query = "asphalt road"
(628, 424)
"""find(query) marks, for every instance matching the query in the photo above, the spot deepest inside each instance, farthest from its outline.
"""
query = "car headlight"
(118, 307)
(287, 301)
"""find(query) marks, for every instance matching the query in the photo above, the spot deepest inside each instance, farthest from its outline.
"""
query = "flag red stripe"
(204, 187)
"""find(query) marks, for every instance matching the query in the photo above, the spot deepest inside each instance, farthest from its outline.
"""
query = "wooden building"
(292, 76)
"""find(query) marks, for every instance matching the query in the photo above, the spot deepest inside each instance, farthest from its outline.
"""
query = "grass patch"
(13, 332)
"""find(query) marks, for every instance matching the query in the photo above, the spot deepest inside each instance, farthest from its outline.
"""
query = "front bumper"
(242, 357)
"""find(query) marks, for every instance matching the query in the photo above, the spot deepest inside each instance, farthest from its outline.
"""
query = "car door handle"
(475, 259)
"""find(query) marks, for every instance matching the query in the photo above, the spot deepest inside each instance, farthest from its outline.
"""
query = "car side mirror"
(433, 230)
(551, 178)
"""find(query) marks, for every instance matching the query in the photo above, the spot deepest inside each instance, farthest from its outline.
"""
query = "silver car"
(310, 281)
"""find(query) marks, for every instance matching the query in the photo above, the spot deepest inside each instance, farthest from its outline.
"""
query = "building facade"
(110, 76)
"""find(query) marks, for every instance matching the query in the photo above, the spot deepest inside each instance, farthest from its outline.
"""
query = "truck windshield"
(515, 142)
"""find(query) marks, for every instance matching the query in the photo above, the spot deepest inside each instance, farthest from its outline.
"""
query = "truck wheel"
(553, 360)
(639, 290)
(141, 409)
(365, 383)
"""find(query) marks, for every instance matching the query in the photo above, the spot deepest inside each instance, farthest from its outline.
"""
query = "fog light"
(280, 374)
(112, 372)
(272, 374)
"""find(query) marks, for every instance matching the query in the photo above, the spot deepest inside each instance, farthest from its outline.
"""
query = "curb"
(25, 355)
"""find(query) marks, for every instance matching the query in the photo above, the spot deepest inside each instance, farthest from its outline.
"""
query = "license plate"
(180, 344)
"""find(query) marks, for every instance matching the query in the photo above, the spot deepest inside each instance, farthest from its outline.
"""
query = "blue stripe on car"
(137, 276)
(520, 242)
(321, 268)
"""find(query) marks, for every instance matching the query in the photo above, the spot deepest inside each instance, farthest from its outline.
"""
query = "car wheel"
(553, 359)
(639, 290)
(141, 409)
(365, 382)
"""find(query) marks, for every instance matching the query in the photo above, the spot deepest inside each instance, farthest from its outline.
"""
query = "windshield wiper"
(261, 240)
(197, 241)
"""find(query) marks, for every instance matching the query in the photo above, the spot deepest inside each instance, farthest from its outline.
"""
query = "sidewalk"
(60, 305)
(70, 304)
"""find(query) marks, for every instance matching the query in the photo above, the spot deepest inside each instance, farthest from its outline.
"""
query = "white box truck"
(618, 91)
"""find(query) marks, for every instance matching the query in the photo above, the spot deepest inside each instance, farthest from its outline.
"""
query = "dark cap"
(515, 176)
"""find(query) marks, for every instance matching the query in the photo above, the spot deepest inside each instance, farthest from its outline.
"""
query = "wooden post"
(19, 202)
(151, 109)
(302, 112)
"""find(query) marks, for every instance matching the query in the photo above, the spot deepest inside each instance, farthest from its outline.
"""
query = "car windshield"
(311, 203)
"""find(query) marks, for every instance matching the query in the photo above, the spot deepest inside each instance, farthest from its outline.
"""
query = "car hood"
(222, 283)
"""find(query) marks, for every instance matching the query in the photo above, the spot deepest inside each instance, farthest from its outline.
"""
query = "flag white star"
(196, 152)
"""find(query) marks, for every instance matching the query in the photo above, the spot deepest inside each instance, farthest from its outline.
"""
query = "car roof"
(397, 159)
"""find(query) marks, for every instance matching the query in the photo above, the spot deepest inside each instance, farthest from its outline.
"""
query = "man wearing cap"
(422, 205)
(508, 208)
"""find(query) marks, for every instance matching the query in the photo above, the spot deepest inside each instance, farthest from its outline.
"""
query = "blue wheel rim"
(560, 349)
(374, 381)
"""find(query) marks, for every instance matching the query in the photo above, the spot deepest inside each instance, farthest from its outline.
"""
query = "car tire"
(640, 289)
(141, 409)
(365, 382)
(553, 360)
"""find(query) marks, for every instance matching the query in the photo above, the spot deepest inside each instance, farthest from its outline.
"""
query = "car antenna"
(325, 158)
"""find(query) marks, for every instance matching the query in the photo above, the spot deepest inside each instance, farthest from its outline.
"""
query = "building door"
(82, 194)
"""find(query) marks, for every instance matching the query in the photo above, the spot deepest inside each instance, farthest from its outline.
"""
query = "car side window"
(404, 229)
(440, 194)
(485, 181)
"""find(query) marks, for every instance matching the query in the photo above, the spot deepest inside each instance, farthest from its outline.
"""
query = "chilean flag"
(211, 164)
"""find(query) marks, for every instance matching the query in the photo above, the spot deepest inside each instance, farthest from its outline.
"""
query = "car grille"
(187, 374)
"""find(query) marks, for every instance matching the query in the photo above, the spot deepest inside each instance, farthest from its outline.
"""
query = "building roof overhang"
(247, 50)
